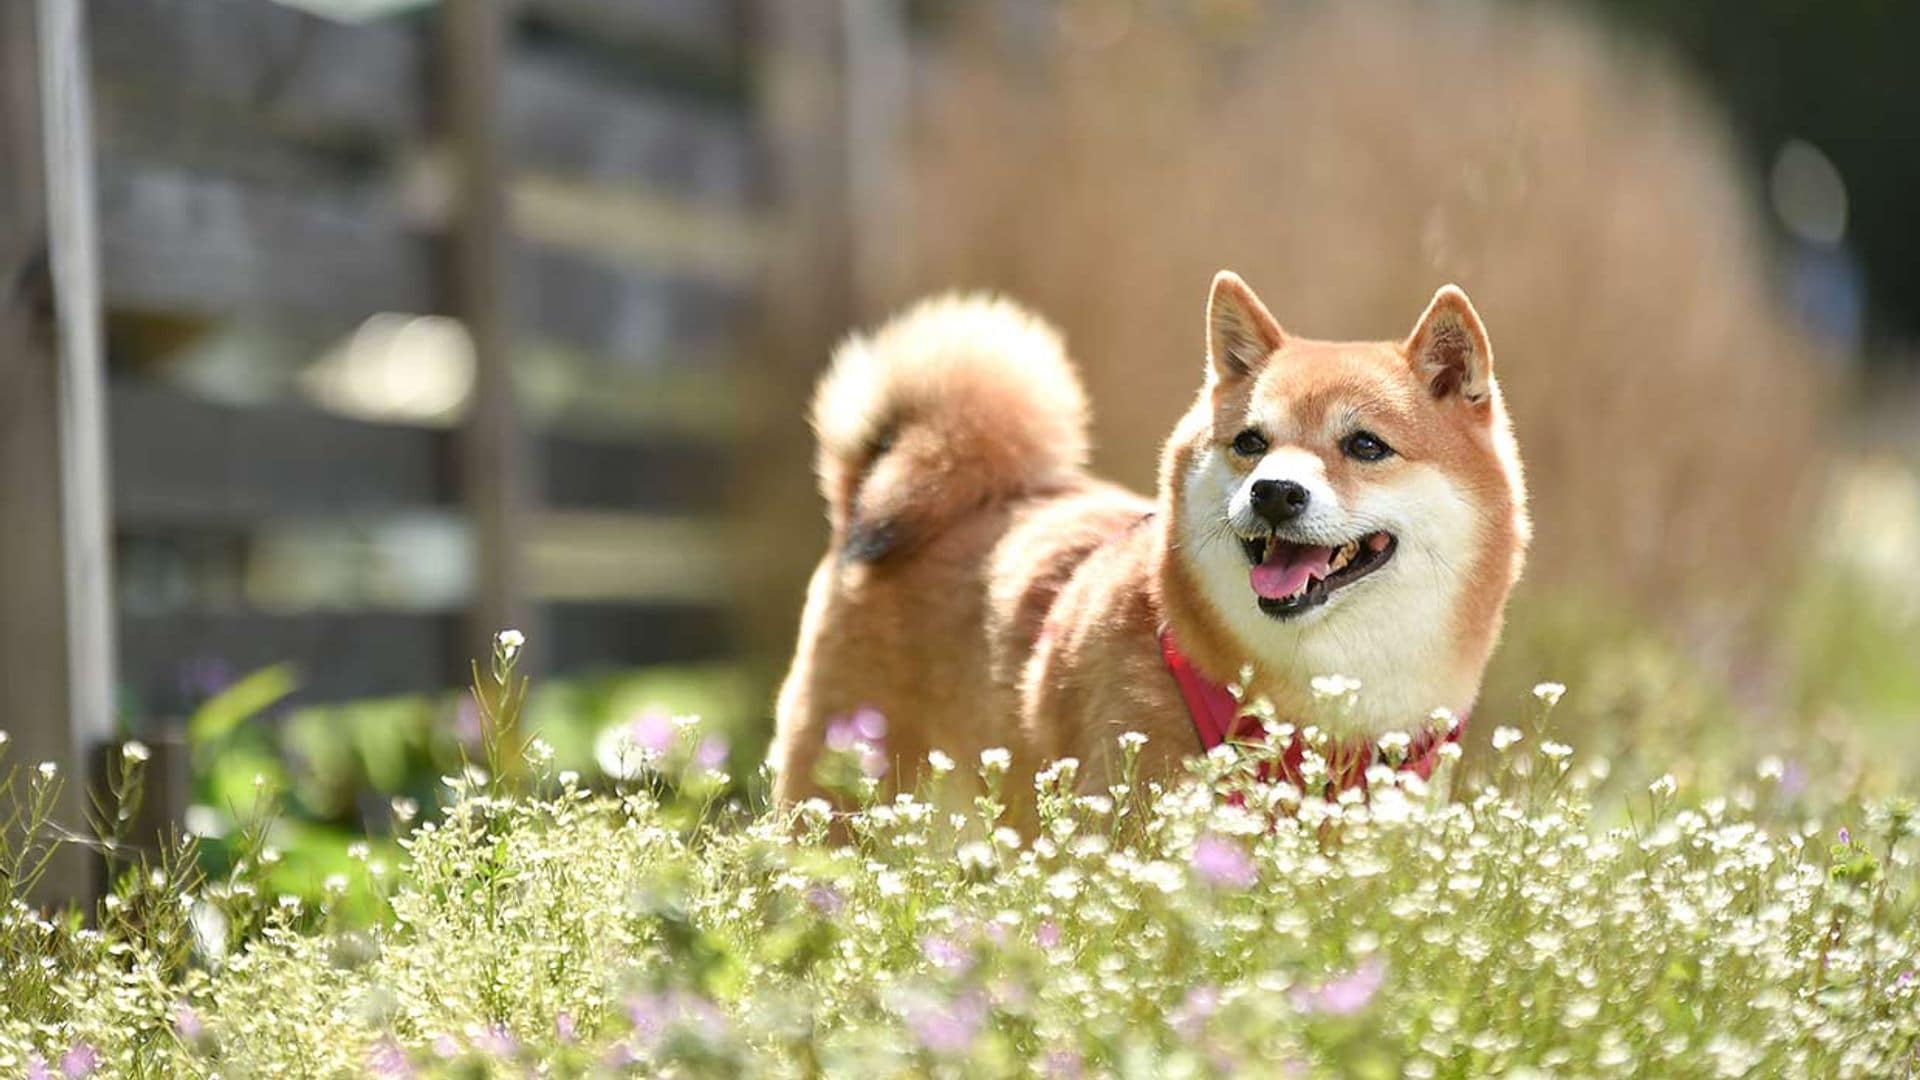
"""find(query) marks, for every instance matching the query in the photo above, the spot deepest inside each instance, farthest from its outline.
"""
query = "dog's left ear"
(1449, 348)
(1241, 332)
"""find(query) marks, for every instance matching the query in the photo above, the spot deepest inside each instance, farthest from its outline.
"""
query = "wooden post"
(56, 640)
(494, 472)
(809, 304)
(874, 86)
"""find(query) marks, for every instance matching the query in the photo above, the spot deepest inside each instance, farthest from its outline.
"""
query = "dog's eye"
(1366, 446)
(1249, 443)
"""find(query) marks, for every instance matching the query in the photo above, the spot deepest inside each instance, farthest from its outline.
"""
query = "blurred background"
(417, 320)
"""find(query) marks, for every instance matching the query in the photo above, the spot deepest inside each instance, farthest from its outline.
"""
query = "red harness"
(1217, 719)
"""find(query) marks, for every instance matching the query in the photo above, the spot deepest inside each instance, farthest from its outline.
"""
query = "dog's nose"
(1279, 501)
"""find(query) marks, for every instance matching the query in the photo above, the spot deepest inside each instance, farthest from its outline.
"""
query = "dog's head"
(1350, 508)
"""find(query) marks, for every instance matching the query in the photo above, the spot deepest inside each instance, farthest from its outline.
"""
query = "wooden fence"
(637, 211)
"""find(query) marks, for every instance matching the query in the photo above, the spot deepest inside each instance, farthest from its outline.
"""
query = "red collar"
(1217, 719)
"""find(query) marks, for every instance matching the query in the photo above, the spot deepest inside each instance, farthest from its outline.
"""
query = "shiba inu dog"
(1350, 508)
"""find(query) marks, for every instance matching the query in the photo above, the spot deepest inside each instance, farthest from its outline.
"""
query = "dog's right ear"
(1241, 332)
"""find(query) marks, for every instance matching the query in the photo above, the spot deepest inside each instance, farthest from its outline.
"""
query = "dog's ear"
(1449, 348)
(1241, 332)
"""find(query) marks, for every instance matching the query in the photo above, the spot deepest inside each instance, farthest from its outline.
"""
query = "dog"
(1324, 508)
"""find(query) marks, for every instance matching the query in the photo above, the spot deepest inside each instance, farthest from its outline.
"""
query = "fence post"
(493, 468)
(56, 632)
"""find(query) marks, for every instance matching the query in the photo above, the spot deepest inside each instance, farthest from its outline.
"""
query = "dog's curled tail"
(955, 403)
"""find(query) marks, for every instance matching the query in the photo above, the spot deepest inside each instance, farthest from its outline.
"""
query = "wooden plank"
(184, 242)
(569, 120)
(339, 655)
(598, 636)
(639, 473)
(493, 476)
(641, 318)
(56, 645)
(207, 64)
(179, 241)
(181, 460)
(346, 655)
(261, 90)
(693, 31)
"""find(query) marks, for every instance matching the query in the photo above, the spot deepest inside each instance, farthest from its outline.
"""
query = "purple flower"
(653, 1015)
(1905, 980)
(37, 1068)
(495, 1040)
(79, 1061)
(1345, 995)
(1062, 1065)
(873, 763)
(387, 1060)
(945, 953)
(825, 899)
(949, 1028)
(1047, 935)
(652, 730)
(187, 1023)
(841, 736)
(467, 724)
(711, 754)
(1846, 837)
(1189, 1018)
(563, 1028)
(865, 730)
(1793, 779)
(446, 1046)
(869, 724)
(1222, 863)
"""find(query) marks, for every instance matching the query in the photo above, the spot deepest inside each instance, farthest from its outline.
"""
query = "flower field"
(1548, 918)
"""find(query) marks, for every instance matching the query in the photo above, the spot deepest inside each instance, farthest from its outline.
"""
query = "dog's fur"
(982, 590)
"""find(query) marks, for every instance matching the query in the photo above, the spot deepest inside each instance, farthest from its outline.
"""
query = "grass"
(1552, 917)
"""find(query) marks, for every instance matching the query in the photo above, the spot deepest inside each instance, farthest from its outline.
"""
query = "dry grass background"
(1101, 159)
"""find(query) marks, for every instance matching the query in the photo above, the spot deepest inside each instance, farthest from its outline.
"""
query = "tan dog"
(1324, 508)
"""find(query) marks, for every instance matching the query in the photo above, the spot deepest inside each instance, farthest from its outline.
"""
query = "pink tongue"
(1287, 568)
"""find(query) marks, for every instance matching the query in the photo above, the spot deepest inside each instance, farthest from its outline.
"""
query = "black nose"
(1279, 500)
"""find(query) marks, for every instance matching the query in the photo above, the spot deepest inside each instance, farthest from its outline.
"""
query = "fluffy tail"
(957, 402)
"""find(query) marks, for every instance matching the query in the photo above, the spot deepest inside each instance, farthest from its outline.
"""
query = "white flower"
(359, 851)
(509, 642)
(569, 778)
(1333, 686)
(1771, 768)
(135, 751)
(1504, 737)
(1556, 750)
(1550, 693)
(4, 737)
(939, 762)
(404, 809)
(995, 760)
(48, 770)
(1132, 740)
(1665, 786)
(335, 883)
(975, 857)
(1395, 743)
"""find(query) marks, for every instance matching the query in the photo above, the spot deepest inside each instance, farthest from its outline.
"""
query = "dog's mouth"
(1290, 578)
